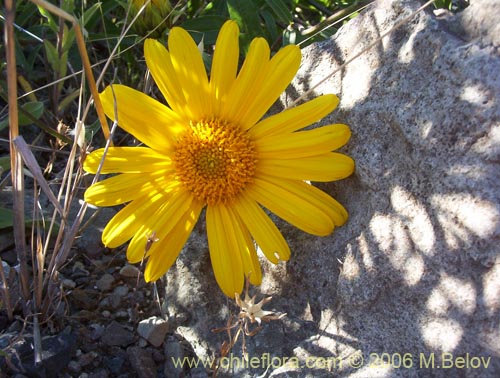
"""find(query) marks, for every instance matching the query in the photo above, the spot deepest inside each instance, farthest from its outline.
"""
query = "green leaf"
(68, 6)
(280, 9)
(4, 163)
(246, 14)
(27, 113)
(270, 23)
(89, 13)
(68, 38)
(204, 27)
(30, 110)
(68, 100)
(50, 20)
(6, 218)
(52, 55)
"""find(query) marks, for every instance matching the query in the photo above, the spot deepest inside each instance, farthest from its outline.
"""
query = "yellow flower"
(210, 148)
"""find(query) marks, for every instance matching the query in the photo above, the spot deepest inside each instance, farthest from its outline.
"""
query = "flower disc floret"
(215, 160)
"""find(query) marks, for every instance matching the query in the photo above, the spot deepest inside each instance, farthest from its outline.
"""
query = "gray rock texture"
(410, 286)
(153, 330)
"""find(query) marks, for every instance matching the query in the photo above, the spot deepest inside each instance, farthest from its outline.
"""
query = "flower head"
(153, 20)
(210, 148)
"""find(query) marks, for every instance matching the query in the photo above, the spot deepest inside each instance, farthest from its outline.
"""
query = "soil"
(95, 333)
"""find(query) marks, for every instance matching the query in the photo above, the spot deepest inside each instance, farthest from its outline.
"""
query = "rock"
(174, 354)
(68, 283)
(114, 301)
(121, 291)
(105, 283)
(74, 368)
(130, 271)
(142, 362)
(96, 331)
(415, 271)
(83, 299)
(86, 359)
(79, 270)
(476, 22)
(88, 241)
(153, 330)
(56, 353)
(114, 364)
(117, 335)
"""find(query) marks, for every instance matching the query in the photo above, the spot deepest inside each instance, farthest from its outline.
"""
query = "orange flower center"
(215, 160)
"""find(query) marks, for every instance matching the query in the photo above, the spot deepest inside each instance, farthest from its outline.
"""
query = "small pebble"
(121, 291)
(153, 330)
(105, 282)
(74, 367)
(68, 284)
(129, 271)
(114, 301)
(79, 270)
(97, 331)
(121, 314)
(87, 358)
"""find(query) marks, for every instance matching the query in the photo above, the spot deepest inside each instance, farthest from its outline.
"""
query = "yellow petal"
(161, 68)
(164, 251)
(282, 68)
(251, 264)
(299, 204)
(295, 118)
(263, 230)
(225, 250)
(249, 259)
(127, 187)
(163, 219)
(301, 144)
(148, 120)
(224, 65)
(249, 81)
(127, 160)
(323, 168)
(125, 224)
(190, 71)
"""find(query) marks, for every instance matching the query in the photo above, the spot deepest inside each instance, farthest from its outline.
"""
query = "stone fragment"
(56, 354)
(105, 283)
(142, 362)
(121, 291)
(153, 330)
(117, 335)
(174, 353)
(130, 271)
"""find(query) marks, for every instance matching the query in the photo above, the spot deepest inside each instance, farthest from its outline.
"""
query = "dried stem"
(15, 156)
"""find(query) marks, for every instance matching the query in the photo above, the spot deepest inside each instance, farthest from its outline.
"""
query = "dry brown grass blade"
(85, 60)
(15, 156)
(35, 170)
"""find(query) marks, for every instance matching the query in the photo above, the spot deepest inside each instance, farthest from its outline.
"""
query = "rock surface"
(416, 270)
(153, 330)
